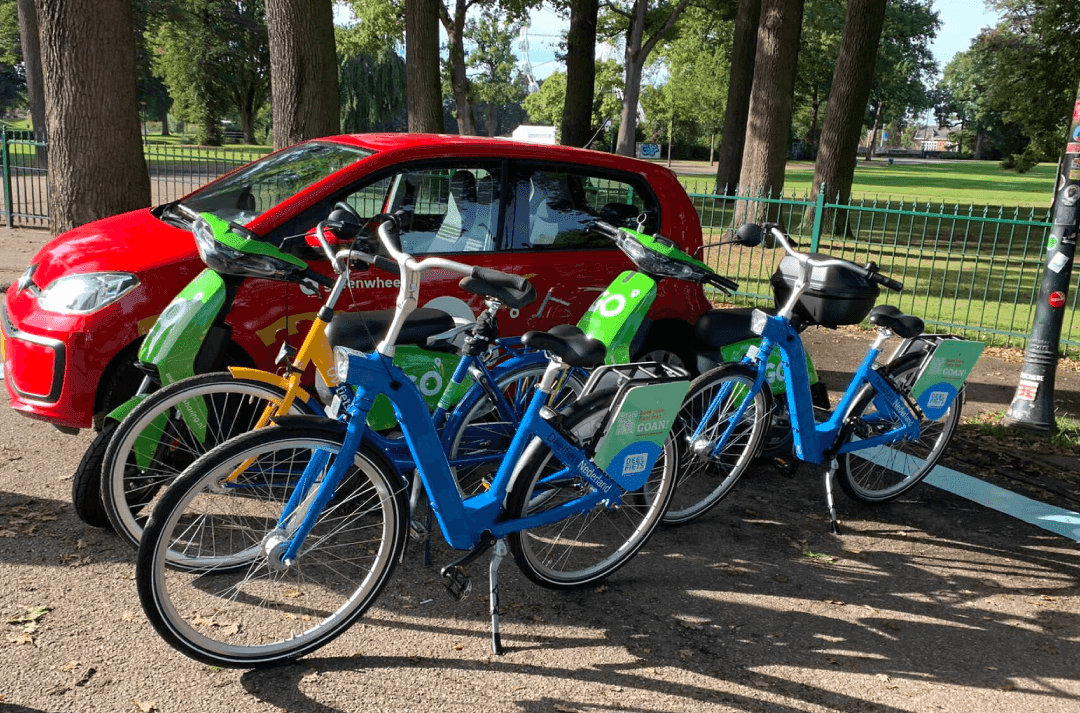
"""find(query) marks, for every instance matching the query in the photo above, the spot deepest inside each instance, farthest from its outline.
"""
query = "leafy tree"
(905, 65)
(1034, 54)
(214, 56)
(698, 64)
(12, 81)
(823, 23)
(373, 93)
(546, 105)
(96, 163)
(380, 27)
(642, 24)
(494, 62)
(303, 70)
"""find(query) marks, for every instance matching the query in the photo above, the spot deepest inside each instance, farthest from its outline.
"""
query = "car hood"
(130, 242)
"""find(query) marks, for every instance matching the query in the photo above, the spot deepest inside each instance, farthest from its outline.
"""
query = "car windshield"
(258, 187)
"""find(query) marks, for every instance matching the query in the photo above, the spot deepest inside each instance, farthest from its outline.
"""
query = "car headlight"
(82, 294)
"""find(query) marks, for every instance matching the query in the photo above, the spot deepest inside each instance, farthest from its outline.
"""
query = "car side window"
(554, 210)
(447, 209)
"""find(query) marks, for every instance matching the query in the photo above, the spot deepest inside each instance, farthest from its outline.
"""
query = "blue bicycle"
(888, 430)
(234, 570)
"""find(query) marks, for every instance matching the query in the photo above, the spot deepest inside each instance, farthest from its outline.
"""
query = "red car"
(72, 324)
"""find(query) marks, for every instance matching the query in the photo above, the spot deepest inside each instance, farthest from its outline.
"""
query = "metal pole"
(6, 160)
(1032, 407)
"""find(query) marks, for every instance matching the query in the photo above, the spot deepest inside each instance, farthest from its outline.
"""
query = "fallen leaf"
(145, 706)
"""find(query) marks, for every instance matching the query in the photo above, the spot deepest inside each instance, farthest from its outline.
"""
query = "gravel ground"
(931, 603)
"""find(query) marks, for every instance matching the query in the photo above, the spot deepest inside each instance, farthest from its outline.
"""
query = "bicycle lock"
(1032, 407)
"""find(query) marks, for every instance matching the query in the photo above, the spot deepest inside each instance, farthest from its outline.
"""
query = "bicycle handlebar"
(870, 271)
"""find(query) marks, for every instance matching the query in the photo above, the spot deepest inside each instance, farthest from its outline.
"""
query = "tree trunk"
(851, 84)
(637, 51)
(35, 86)
(164, 119)
(812, 137)
(771, 98)
(580, 73)
(492, 119)
(872, 143)
(423, 86)
(89, 70)
(303, 70)
(980, 140)
(459, 80)
(743, 50)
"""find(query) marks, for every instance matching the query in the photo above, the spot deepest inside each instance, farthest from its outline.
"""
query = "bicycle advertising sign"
(635, 436)
(944, 374)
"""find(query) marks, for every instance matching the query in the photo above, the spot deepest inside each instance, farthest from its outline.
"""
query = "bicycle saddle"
(513, 291)
(363, 330)
(569, 344)
(903, 325)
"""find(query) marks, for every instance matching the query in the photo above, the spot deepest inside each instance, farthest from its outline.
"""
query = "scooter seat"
(569, 344)
(363, 330)
(719, 327)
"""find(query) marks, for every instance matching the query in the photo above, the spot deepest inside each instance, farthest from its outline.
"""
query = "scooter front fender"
(173, 343)
(145, 444)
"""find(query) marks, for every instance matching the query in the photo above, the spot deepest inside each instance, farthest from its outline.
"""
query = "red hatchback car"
(72, 324)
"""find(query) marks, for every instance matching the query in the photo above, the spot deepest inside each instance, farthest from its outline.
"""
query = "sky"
(961, 21)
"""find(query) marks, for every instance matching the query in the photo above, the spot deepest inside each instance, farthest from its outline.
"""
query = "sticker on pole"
(1072, 147)
(1027, 390)
(944, 375)
(1057, 300)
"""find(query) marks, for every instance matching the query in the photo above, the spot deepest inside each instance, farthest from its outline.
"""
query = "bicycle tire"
(482, 429)
(705, 480)
(887, 472)
(128, 491)
(86, 483)
(587, 547)
(229, 604)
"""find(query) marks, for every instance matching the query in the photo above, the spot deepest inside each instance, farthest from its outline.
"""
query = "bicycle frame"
(814, 441)
(463, 521)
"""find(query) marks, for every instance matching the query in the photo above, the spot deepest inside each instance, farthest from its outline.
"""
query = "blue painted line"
(1049, 517)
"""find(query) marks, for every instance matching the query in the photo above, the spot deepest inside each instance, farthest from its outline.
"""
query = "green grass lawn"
(964, 183)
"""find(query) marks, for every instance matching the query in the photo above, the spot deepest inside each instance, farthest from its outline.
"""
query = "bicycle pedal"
(786, 465)
(418, 530)
(457, 581)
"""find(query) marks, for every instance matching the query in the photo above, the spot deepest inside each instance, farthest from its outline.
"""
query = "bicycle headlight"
(757, 321)
(86, 293)
(341, 362)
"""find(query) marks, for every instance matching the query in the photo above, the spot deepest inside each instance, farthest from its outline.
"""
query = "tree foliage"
(493, 63)
(373, 93)
(12, 81)
(1028, 62)
(214, 57)
(546, 105)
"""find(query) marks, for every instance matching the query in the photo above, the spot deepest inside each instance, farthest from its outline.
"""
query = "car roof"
(448, 145)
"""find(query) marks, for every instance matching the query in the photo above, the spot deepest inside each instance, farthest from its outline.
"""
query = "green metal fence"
(174, 172)
(973, 270)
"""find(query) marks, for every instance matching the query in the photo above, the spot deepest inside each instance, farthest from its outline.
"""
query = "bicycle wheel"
(705, 478)
(231, 602)
(129, 488)
(483, 434)
(588, 546)
(86, 483)
(879, 474)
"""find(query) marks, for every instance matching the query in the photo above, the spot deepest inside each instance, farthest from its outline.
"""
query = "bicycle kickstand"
(834, 526)
(496, 559)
